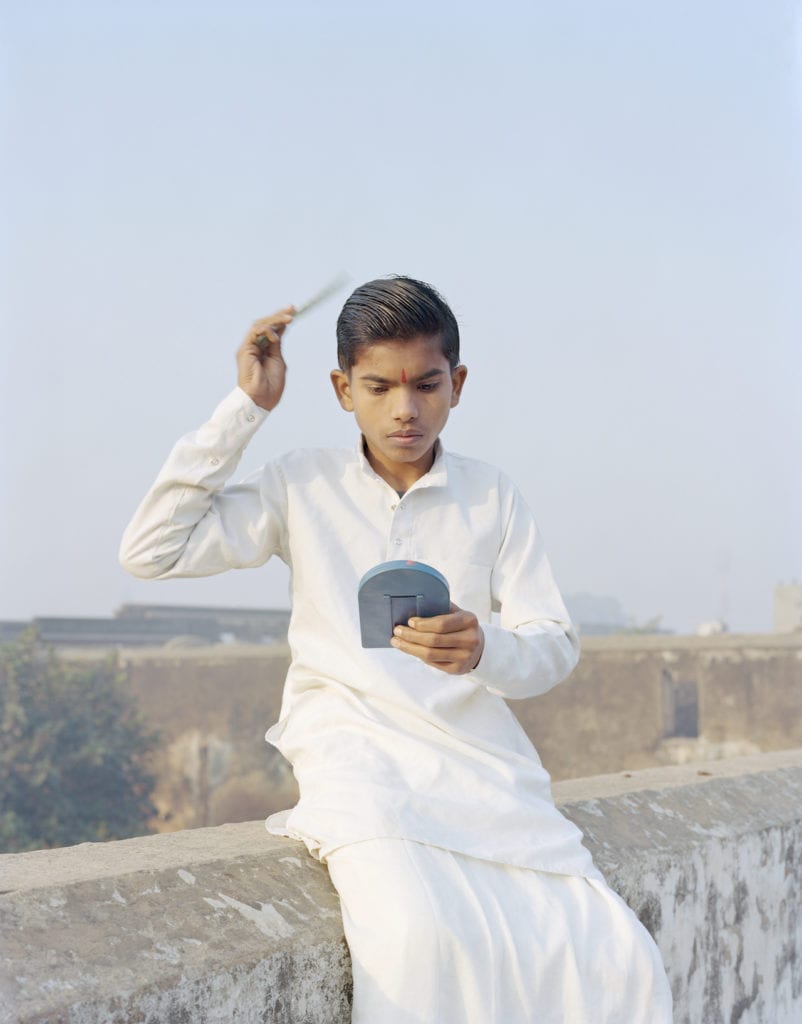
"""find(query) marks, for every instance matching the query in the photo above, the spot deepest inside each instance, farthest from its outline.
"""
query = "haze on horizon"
(608, 195)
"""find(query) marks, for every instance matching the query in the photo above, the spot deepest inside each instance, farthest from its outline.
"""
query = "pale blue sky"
(607, 193)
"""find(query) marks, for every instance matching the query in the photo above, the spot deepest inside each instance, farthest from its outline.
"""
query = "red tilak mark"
(403, 376)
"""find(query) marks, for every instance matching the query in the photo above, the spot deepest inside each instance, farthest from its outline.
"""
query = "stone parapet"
(229, 923)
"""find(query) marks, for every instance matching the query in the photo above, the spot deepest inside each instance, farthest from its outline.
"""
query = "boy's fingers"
(272, 326)
(416, 638)
(430, 654)
(283, 315)
(452, 643)
(452, 622)
(454, 661)
(266, 333)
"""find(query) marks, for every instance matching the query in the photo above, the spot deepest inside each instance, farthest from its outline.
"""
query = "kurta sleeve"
(534, 645)
(190, 523)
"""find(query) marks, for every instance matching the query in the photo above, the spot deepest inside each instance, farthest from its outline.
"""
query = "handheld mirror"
(391, 593)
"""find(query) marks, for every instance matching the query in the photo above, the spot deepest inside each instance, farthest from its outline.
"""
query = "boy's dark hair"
(394, 307)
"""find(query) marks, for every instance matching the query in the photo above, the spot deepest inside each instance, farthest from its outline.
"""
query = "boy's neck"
(399, 475)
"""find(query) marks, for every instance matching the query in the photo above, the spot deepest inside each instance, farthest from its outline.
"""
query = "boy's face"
(401, 393)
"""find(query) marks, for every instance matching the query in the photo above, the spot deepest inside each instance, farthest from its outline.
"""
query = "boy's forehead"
(405, 354)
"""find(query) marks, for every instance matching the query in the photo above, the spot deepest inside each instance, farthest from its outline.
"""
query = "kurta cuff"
(526, 662)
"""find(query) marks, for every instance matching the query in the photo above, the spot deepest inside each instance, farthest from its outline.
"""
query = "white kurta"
(382, 745)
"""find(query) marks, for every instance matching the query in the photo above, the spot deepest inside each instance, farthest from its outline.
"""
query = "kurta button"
(251, 417)
(398, 541)
(393, 508)
(215, 461)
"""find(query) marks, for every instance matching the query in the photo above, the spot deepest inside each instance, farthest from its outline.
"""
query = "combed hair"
(390, 308)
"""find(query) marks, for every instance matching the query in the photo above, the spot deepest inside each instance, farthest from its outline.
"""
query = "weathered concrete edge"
(241, 935)
(174, 850)
(694, 773)
(710, 865)
(170, 850)
(635, 822)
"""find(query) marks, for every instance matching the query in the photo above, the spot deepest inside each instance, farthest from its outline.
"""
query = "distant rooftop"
(148, 625)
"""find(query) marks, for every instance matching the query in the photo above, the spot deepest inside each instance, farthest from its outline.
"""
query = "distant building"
(788, 607)
(148, 625)
(714, 627)
(225, 625)
(596, 614)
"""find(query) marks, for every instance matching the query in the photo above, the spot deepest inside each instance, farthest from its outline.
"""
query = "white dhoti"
(437, 937)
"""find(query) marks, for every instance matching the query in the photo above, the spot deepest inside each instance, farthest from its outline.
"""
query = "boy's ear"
(458, 375)
(342, 389)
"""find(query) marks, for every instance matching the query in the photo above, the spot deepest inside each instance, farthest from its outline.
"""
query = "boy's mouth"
(406, 436)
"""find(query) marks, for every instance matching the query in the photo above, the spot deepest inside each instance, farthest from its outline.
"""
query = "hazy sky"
(608, 193)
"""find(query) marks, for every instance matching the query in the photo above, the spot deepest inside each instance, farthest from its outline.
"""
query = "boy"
(466, 896)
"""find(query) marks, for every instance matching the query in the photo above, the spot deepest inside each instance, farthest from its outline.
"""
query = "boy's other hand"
(261, 370)
(453, 643)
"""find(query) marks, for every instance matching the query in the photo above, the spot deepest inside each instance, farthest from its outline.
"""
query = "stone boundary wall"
(230, 924)
(621, 709)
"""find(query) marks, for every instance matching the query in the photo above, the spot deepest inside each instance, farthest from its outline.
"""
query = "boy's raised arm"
(261, 369)
(190, 523)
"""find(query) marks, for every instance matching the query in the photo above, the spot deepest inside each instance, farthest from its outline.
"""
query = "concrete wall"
(213, 704)
(616, 709)
(216, 925)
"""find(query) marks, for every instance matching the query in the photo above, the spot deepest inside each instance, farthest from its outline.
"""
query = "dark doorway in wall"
(680, 707)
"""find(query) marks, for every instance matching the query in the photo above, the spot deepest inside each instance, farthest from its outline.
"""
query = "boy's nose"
(405, 407)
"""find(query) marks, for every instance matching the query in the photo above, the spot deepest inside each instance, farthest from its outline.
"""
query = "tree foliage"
(73, 751)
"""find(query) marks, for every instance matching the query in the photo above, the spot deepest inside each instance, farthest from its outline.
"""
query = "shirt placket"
(400, 540)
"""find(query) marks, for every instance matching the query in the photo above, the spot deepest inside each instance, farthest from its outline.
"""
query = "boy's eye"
(380, 389)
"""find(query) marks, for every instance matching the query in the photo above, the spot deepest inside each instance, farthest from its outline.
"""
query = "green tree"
(73, 751)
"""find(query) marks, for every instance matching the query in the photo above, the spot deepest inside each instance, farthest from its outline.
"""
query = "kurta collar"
(436, 477)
